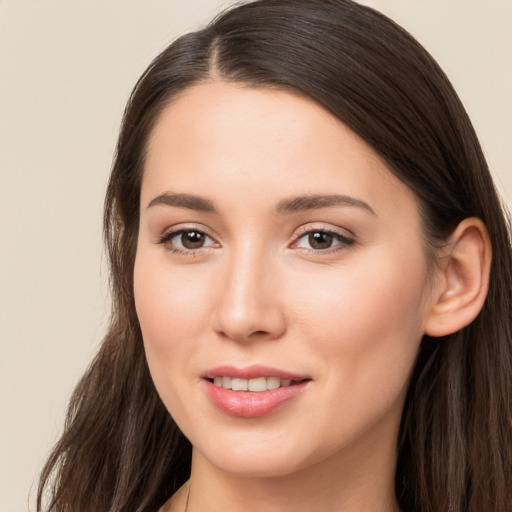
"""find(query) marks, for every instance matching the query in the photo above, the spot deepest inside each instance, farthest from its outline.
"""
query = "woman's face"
(275, 245)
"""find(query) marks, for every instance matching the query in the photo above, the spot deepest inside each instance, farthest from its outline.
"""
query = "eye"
(322, 240)
(187, 240)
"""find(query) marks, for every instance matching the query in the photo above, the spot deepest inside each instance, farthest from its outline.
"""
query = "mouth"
(257, 384)
(254, 391)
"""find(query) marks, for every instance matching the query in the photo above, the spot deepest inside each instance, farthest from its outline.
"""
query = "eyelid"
(175, 230)
(323, 228)
(344, 236)
(185, 226)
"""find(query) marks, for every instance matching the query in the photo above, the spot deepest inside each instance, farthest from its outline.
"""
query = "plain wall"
(66, 70)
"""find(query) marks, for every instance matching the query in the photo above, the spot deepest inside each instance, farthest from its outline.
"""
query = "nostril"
(258, 334)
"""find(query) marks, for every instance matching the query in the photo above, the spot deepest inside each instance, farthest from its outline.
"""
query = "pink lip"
(251, 372)
(248, 404)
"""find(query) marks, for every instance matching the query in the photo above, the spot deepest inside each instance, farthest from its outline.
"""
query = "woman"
(311, 277)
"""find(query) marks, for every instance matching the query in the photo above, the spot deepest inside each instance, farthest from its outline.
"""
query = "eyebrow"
(315, 202)
(294, 204)
(188, 201)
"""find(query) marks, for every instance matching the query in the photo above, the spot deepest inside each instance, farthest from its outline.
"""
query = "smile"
(253, 391)
(257, 384)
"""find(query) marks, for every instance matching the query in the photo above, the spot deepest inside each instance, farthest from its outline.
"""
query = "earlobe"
(462, 281)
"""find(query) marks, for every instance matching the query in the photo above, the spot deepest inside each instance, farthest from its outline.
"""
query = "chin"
(247, 455)
(249, 465)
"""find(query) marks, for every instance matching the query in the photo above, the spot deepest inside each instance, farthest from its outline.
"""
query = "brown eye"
(192, 239)
(320, 240)
(187, 240)
(323, 240)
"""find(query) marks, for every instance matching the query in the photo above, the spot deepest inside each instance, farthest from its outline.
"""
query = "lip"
(252, 372)
(249, 404)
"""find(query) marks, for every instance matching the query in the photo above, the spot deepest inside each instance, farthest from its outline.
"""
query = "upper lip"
(252, 372)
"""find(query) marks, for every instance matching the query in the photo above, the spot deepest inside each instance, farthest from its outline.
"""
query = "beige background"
(66, 69)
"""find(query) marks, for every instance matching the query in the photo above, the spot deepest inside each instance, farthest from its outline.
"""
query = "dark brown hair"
(121, 451)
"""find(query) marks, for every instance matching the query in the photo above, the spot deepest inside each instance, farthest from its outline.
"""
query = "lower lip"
(251, 404)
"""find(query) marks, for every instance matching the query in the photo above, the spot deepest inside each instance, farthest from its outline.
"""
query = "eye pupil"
(319, 240)
(192, 239)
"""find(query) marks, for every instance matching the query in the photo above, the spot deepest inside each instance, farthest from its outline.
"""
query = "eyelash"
(343, 240)
(167, 237)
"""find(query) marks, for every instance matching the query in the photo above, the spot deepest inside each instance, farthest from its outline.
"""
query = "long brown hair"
(121, 450)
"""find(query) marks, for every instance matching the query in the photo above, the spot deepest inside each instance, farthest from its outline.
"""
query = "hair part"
(121, 450)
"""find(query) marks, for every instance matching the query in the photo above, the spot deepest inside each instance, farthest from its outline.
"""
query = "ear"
(462, 282)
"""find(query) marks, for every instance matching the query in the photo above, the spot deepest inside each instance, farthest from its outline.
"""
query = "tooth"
(239, 384)
(217, 381)
(273, 382)
(285, 382)
(226, 382)
(258, 384)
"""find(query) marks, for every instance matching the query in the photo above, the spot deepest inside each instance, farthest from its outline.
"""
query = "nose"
(249, 307)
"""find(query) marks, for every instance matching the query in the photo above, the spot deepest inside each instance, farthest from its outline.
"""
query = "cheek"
(366, 321)
(171, 309)
(381, 289)
(170, 306)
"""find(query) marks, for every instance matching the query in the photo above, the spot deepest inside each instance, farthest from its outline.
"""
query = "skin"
(350, 317)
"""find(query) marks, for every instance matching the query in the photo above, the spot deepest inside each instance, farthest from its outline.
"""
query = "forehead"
(225, 138)
(227, 116)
